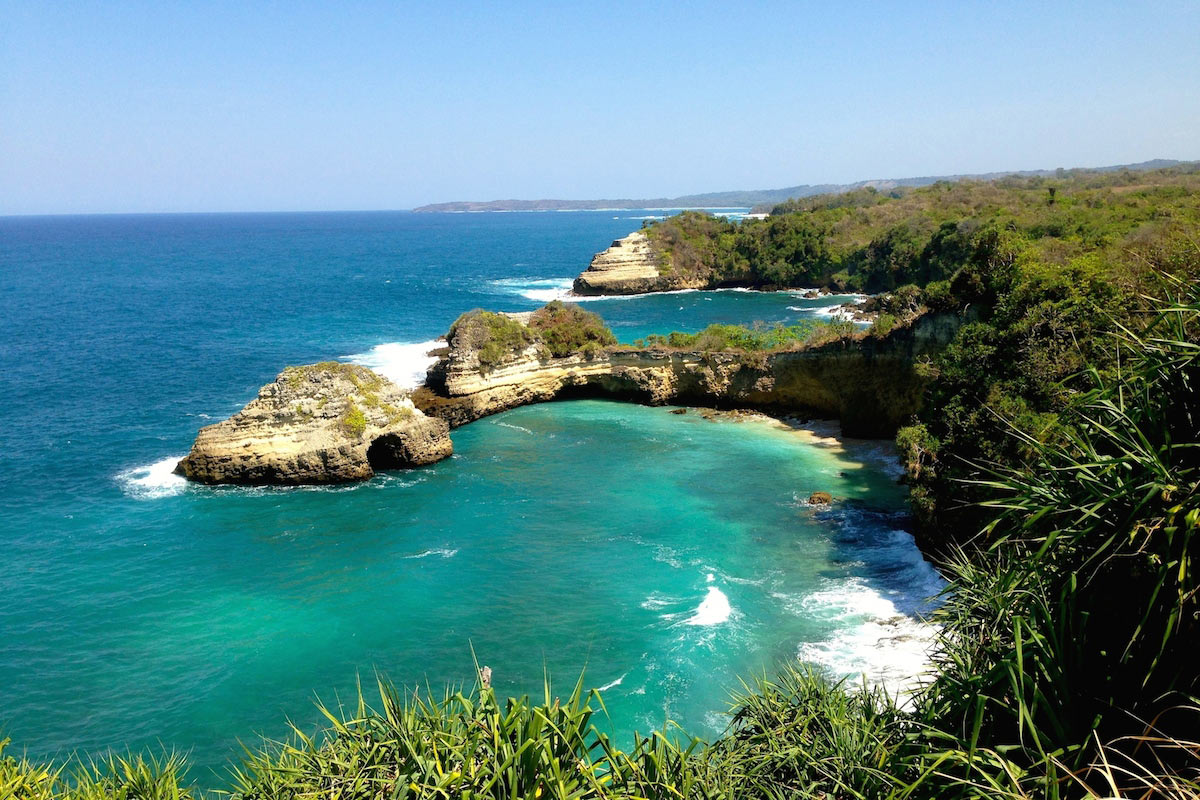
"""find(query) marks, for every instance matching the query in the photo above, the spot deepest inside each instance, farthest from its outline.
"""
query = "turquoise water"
(665, 553)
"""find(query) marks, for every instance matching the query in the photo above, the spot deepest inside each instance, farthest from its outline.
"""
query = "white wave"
(444, 552)
(153, 480)
(876, 639)
(847, 297)
(403, 363)
(540, 290)
(830, 312)
(894, 653)
(727, 578)
(591, 298)
(545, 290)
(548, 295)
(613, 684)
(656, 601)
(514, 427)
(713, 609)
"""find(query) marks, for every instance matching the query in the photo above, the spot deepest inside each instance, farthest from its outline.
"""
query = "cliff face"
(629, 266)
(323, 423)
(871, 384)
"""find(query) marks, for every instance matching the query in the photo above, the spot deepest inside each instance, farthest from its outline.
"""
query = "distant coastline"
(754, 197)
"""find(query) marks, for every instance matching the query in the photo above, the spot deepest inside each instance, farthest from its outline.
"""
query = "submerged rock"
(322, 423)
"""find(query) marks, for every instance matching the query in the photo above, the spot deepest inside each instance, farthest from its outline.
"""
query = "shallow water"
(667, 554)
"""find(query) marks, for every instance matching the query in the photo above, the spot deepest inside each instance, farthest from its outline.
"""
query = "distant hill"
(753, 197)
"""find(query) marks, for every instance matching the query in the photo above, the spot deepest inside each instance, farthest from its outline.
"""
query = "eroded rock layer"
(629, 266)
(872, 384)
(322, 423)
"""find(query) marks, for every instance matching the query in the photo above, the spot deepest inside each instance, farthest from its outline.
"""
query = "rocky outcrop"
(322, 423)
(872, 384)
(630, 266)
(335, 422)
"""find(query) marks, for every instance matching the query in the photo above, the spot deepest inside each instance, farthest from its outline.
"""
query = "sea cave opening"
(387, 452)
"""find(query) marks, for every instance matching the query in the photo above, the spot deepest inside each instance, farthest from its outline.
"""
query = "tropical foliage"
(753, 338)
(871, 241)
(557, 329)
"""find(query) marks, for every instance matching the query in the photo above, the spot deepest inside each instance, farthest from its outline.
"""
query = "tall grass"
(133, 777)
(471, 744)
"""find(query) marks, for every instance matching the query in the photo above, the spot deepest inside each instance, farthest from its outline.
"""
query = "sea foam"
(153, 480)
(403, 363)
(444, 552)
(613, 684)
(875, 638)
(713, 609)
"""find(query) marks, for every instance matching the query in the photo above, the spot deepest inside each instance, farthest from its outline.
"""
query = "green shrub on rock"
(565, 329)
(494, 337)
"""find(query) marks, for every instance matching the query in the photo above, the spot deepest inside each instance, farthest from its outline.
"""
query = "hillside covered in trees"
(874, 241)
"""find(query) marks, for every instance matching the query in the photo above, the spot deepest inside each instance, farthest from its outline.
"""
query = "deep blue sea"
(666, 554)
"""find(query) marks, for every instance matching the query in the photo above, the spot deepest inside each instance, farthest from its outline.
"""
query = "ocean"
(665, 555)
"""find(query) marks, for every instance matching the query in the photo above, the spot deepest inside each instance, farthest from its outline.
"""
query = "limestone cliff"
(872, 384)
(334, 422)
(630, 266)
(322, 423)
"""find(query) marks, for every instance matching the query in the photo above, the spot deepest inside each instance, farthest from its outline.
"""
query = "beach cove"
(686, 545)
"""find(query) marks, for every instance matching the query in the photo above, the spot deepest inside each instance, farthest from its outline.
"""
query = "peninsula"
(764, 198)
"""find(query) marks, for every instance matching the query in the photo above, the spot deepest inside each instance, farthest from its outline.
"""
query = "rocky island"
(322, 423)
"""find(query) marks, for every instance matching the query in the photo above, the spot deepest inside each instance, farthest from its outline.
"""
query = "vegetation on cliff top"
(758, 338)
(871, 241)
(558, 329)
(565, 329)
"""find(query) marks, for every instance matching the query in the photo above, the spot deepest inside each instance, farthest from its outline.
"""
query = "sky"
(243, 106)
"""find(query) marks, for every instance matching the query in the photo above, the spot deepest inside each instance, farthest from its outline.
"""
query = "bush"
(565, 329)
(354, 421)
(883, 325)
(938, 297)
(868, 241)
(473, 744)
(493, 337)
(802, 735)
(1074, 619)
(112, 777)
(758, 339)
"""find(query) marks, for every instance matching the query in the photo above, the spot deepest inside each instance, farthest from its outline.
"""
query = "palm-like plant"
(1075, 617)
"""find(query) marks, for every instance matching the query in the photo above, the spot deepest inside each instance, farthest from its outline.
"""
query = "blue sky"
(114, 107)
